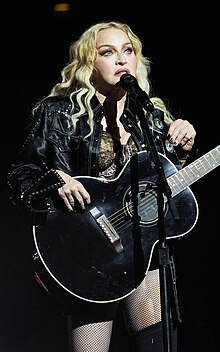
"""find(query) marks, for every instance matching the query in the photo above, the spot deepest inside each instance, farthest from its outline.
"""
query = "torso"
(113, 155)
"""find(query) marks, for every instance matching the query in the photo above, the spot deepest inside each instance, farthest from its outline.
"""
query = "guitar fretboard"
(194, 171)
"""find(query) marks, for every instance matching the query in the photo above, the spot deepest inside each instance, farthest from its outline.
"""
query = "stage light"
(62, 7)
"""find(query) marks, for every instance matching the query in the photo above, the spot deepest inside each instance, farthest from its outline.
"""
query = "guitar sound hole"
(146, 200)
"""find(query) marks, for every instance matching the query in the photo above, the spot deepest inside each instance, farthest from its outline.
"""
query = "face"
(115, 56)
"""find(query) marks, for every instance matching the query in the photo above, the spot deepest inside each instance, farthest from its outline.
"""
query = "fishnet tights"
(141, 309)
(94, 337)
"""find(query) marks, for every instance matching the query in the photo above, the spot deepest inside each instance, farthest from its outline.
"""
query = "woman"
(90, 125)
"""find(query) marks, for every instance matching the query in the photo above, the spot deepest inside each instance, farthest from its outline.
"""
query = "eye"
(106, 52)
(129, 50)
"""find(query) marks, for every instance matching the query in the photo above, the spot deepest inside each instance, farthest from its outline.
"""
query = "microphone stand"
(163, 251)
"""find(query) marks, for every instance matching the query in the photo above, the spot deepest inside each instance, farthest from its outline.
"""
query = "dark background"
(182, 45)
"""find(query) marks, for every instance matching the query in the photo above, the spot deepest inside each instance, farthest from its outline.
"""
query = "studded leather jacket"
(32, 178)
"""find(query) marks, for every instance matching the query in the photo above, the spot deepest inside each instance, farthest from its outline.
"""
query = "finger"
(69, 205)
(80, 200)
(187, 144)
(83, 193)
(182, 134)
(86, 196)
(179, 134)
(177, 126)
(67, 198)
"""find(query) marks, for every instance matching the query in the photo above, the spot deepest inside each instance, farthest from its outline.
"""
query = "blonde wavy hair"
(77, 74)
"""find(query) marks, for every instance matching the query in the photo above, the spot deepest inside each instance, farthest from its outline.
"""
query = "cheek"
(102, 66)
(133, 63)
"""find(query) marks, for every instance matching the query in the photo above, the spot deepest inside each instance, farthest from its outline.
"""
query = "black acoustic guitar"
(102, 254)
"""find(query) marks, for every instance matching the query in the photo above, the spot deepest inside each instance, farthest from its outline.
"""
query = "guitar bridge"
(107, 229)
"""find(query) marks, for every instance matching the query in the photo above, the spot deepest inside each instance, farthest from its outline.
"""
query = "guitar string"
(117, 218)
(144, 204)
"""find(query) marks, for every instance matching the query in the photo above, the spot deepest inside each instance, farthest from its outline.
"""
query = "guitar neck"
(194, 171)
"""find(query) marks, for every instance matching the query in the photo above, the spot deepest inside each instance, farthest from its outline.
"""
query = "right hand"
(73, 191)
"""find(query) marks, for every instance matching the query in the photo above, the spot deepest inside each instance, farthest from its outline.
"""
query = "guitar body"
(103, 254)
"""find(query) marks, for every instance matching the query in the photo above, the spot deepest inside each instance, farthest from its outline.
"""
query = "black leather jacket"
(32, 178)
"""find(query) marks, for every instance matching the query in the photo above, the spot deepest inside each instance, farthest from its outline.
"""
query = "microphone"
(130, 84)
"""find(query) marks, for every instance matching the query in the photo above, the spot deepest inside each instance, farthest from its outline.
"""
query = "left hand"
(181, 132)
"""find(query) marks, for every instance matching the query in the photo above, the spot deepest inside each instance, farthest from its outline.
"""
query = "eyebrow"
(112, 46)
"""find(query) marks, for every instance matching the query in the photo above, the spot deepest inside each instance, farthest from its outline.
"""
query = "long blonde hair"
(77, 74)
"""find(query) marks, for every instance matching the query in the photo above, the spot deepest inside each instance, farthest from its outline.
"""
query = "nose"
(121, 60)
